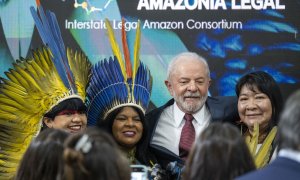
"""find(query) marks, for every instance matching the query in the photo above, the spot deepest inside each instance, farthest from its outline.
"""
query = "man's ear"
(48, 122)
(209, 82)
(169, 86)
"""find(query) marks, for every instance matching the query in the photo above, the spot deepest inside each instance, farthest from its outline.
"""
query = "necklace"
(131, 156)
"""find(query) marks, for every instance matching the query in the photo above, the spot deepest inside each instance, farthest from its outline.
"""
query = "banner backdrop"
(235, 36)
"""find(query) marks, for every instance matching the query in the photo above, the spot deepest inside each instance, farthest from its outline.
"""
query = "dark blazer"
(280, 169)
(222, 109)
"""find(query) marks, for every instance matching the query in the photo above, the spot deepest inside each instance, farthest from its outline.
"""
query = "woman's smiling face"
(72, 121)
(127, 127)
(254, 106)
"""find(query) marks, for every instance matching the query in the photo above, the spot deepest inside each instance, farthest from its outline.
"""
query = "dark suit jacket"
(222, 109)
(280, 169)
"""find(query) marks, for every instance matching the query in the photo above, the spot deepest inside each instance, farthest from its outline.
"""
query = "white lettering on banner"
(257, 4)
(128, 25)
(99, 24)
(167, 25)
(163, 25)
(181, 4)
(84, 25)
(208, 4)
(223, 24)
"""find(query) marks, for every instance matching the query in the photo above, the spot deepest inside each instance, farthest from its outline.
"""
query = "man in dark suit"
(175, 125)
(287, 164)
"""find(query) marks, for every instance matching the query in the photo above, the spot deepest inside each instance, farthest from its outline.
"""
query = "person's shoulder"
(155, 110)
(280, 168)
(248, 176)
(256, 174)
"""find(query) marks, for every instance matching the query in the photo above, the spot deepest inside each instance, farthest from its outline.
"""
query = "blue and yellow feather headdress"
(33, 87)
(116, 83)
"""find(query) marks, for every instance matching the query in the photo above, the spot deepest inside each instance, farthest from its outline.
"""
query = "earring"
(241, 129)
(241, 126)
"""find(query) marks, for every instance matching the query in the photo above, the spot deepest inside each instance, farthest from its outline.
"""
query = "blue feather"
(228, 82)
(255, 49)
(218, 31)
(285, 65)
(285, 46)
(278, 76)
(273, 13)
(238, 64)
(213, 46)
(233, 42)
(217, 49)
(50, 34)
(203, 42)
(268, 26)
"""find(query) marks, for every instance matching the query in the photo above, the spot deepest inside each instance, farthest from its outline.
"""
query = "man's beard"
(190, 107)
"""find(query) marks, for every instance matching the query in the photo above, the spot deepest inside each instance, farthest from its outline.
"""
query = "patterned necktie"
(187, 137)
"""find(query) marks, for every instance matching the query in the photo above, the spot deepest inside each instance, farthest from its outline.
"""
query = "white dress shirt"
(289, 153)
(168, 131)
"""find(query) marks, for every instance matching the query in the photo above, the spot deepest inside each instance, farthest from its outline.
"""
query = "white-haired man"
(175, 125)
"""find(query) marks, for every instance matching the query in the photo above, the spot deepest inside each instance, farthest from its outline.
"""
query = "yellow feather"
(37, 58)
(81, 67)
(115, 48)
(45, 58)
(12, 103)
(4, 123)
(6, 117)
(28, 78)
(10, 145)
(32, 71)
(136, 52)
(19, 127)
(20, 79)
(7, 156)
(13, 95)
(48, 57)
(11, 77)
(14, 135)
(19, 63)
(38, 70)
(9, 164)
(7, 173)
(13, 157)
(13, 85)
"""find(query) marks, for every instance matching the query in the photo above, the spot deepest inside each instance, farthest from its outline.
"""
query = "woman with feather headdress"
(48, 89)
(118, 96)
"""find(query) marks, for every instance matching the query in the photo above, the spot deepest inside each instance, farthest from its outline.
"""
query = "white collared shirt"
(289, 153)
(170, 123)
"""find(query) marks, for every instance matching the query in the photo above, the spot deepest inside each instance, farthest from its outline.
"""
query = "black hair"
(68, 104)
(289, 124)
(43, 158)
(141, 146)
(267, 85)
(103, 160)
(51, 134)
(220, 153)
